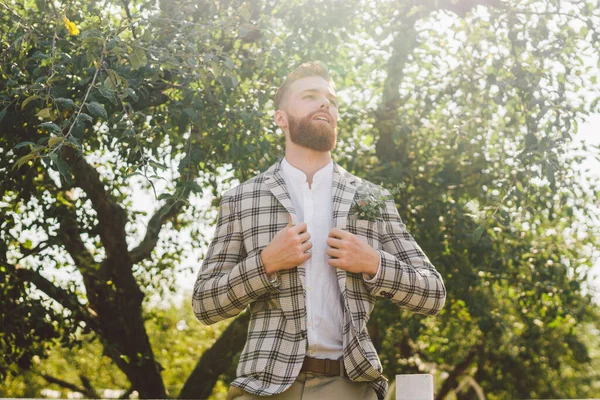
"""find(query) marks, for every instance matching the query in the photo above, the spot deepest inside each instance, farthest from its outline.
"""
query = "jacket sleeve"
(405, 275)
(229, 278)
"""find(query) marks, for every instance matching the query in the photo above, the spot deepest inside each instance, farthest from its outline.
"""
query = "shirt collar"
(297, 177)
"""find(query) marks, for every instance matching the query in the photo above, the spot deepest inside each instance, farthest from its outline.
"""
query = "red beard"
(313, 135)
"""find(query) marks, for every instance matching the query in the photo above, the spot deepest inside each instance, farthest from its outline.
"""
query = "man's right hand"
(288, 248)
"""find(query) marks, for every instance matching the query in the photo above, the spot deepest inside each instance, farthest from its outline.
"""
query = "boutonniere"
(369, 201)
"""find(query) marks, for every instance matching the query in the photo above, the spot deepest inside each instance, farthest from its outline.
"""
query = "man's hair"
(311, 68)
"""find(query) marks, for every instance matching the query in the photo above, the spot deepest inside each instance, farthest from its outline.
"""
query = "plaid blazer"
(232, 278)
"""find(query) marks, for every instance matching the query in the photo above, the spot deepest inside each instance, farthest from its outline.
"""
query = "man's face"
(312, 113)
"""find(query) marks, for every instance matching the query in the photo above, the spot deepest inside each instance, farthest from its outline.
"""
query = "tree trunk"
(216, 360)
(403, 44)
(112, 291)
(452, 381)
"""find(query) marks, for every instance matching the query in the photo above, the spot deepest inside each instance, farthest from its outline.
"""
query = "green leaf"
(24, 159)
(61, 166)
(97, 109)
(190, 112)
(54, 140)
(158, 165)
(477, 234)
(29, 100)
(78, 129)
(76, 142)
(2, 114)
(65, 103)
(50, 126)
(136, 173)
(131, 93)
(23, 144)
(84, 118)
(45, 113)
(194, 187)
(138, 58)
(228, 82)
(107, 92)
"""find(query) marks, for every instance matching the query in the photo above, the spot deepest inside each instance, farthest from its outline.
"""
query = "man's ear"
(281, 119)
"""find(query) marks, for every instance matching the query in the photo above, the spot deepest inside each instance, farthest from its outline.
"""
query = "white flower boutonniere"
(369, 201)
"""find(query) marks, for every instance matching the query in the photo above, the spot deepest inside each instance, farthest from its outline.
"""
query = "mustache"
(310, 116)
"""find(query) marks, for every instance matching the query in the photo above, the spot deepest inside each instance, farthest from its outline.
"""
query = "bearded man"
(294, 244)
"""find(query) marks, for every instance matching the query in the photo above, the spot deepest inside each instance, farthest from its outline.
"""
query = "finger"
(338, 233)
(334, 252)
(335, 262)
(299, 228)
(290, 224)
(306, 246)
(304, 237)
(333, 242)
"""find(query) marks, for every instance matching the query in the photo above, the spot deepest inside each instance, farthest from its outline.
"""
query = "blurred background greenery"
(122, 122)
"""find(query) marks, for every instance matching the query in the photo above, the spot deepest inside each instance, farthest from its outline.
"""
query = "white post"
(414, 387)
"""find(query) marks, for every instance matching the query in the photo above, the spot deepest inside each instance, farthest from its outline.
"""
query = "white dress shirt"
(324, 312)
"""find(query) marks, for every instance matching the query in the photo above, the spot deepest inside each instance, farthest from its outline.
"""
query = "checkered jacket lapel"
(292, 307)
(276, 185)
(343, 189)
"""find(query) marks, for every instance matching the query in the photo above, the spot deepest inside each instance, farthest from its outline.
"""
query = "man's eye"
(309, 96)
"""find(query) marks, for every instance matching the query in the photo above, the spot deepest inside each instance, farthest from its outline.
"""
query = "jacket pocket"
(367, 230)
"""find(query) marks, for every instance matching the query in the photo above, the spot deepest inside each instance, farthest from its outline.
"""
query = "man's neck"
(306, 160)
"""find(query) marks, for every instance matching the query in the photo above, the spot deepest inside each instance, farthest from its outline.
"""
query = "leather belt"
(324, 366)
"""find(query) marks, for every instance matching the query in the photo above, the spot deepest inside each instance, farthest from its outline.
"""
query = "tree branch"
(87, 392)
(64, 298)
(165, 213)
(127, 393)
(144, 249)
(71, 239)
(129, 17)
(452, 381)
(87, 384)
(111, 216)
(405, 41)
(216, 360)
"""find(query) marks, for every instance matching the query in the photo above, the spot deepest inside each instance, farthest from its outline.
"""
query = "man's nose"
(325, 103)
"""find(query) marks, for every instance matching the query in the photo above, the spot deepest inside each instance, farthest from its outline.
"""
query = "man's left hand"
(351, 253)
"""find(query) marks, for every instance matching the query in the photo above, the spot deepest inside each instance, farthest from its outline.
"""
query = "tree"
(172, 331)
(99, 101)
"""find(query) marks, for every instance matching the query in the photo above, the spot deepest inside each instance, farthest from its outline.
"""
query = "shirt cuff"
(368, 278)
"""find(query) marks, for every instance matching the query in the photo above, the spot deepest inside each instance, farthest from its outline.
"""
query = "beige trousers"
(311, 386)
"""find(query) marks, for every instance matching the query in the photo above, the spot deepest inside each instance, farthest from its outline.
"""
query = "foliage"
(171, 328)
(469, 106)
